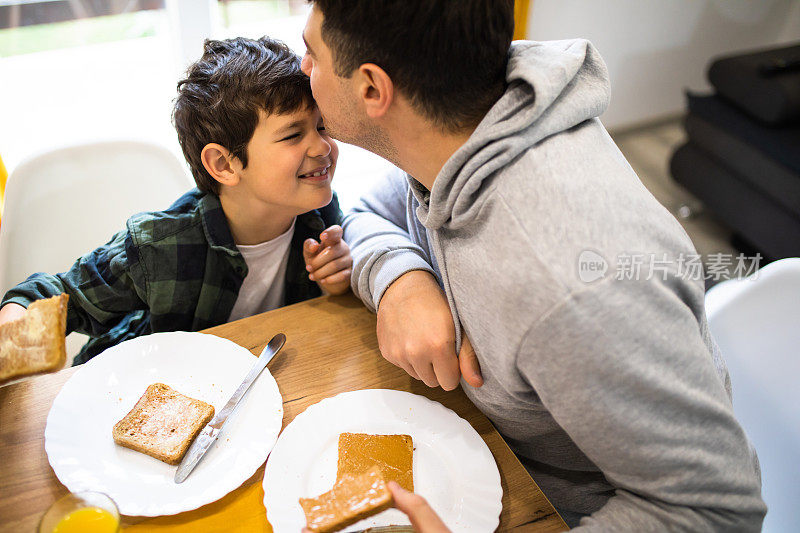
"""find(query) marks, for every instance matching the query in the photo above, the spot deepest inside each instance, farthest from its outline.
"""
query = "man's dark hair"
(219, 100)
(447, 56)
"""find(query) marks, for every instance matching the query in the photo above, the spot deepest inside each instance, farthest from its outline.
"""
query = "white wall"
(791, 30)
(655, 49)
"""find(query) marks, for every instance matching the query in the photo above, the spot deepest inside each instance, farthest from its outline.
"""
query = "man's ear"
(375, 88)
(220, 163)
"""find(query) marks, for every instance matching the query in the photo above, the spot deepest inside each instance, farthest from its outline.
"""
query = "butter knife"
(209, 435)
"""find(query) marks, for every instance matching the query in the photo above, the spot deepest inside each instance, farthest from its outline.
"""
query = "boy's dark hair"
(219, 100)
(447, 56)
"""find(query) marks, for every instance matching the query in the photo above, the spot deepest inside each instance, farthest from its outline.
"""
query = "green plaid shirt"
(173, 270)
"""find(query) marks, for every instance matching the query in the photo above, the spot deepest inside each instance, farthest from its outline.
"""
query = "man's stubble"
(352, 126)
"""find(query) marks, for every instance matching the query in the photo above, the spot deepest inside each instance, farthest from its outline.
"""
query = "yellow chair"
(521, 8)
(3, 178)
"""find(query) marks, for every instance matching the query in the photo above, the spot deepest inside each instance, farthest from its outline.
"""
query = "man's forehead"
(312, 29)
(314, 17)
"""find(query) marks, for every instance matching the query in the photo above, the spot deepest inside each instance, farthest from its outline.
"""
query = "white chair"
(756, 323)
(64, 203)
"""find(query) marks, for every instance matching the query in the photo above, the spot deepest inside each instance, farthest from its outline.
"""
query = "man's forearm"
(382, 252)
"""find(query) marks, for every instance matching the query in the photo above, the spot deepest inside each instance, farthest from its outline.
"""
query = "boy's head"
(448, 58)
(245, 115)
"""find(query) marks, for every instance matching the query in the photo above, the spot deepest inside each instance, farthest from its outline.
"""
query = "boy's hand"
(423, 518)
(329, 262)
(416, 332)
(11, 312)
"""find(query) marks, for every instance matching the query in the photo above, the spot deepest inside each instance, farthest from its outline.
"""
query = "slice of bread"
(351, 499)
(35, 342)
(393, 454)
(163, 423)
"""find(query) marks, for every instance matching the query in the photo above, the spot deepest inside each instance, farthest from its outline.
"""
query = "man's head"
(446, 57)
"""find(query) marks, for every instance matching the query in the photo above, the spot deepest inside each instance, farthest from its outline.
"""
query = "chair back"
(756, 323)
(61, 204)
(64, 203)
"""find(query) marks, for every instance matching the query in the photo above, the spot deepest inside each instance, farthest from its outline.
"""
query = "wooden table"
(331, 348)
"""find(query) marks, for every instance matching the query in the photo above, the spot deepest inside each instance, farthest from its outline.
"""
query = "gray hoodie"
(572, 283)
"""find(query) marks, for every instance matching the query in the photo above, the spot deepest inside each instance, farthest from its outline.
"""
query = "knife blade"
(208, 436)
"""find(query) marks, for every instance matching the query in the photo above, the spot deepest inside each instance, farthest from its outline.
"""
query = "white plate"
(84, 456)
(453, 468)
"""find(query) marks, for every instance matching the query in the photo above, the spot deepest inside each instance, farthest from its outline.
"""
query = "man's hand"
(329, 262)
(416, 333)
(423, 518)
(11, 312)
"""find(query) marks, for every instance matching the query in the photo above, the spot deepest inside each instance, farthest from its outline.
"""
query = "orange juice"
(88, 520)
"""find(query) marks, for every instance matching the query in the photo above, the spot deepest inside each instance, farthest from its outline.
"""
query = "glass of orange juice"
(81, 512)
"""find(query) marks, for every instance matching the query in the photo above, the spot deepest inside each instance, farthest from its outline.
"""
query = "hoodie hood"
(552, 86)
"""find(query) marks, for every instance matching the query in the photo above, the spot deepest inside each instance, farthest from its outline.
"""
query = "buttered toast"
(35, 342)
(163, 423)
(393, 454)
(352, 498)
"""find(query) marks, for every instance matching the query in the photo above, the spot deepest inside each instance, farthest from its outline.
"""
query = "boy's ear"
(375, 88)
(220, 163)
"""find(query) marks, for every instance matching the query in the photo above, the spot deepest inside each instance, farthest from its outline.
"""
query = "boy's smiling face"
(290, 162)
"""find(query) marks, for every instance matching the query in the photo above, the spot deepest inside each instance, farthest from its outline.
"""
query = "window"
(79, 70)
(28, 26)
(280, 19)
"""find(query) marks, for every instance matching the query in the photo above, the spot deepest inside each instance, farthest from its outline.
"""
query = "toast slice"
(163, 423)
(35, 342)
(393, 454)
(351, 499)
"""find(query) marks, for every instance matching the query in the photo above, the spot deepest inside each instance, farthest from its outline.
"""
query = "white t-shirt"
(264, 286)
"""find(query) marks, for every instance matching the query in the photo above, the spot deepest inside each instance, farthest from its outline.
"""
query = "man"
(512, 206)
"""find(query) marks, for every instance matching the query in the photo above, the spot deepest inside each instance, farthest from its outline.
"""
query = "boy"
(244, 241)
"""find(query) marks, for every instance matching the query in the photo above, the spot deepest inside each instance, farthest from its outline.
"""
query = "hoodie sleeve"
(380, 240)
(623, 368)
